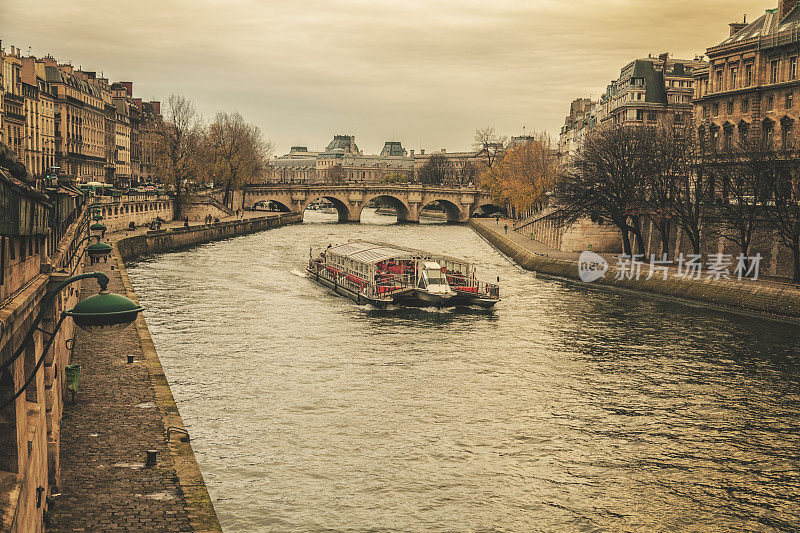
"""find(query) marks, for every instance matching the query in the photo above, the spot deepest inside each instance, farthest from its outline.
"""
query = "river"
(567, 408)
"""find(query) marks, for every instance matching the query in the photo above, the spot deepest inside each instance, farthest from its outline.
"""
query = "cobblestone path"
(105, 436)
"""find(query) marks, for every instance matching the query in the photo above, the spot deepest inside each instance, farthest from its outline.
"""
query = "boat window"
(434, 277)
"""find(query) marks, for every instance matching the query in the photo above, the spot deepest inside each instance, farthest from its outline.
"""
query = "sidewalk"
(105, 436)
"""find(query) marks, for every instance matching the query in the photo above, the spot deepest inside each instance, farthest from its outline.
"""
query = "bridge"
(460, 203)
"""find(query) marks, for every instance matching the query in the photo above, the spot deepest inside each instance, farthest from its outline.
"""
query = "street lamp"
(98, 228)
(103, 312)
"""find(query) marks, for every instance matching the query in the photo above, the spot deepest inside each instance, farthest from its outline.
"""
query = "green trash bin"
(72, 373)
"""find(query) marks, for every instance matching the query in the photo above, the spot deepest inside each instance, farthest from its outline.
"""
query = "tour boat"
(382, 275)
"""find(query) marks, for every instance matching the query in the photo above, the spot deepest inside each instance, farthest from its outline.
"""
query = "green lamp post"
(99, 229)
(103, 312)
(98, 251)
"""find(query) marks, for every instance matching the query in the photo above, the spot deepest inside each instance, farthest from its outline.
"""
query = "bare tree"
(437, 170)
(692, 196)
(606, 181)
(335, 174)
(489, 144)
(178, 138)
(743, 174)
(784, 213)
(240, 152)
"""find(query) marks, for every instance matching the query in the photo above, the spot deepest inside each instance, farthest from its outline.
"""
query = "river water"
(567, 408)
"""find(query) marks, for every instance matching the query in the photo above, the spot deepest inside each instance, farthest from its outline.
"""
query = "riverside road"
(566, 408)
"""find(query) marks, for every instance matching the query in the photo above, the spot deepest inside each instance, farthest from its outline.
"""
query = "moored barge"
(382, 275)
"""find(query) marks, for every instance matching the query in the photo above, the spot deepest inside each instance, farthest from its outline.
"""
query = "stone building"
(13, 101)
(751, 80)
(343, 158)
(582, 118)
(36, 236)
(650, 89)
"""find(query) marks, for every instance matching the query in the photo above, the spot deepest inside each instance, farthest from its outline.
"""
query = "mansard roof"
(766, 25)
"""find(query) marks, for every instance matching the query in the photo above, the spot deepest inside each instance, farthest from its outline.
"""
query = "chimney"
(444, 151)
(422, 152)
(128, 87)
(785, 7)
(412, 154)
(736, 27)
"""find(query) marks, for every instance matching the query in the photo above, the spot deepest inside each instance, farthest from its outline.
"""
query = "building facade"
(582, 118)
(751, 81)
(68, 122)
(649, 90)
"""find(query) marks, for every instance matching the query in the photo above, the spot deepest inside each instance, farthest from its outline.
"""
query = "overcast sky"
(427, 73)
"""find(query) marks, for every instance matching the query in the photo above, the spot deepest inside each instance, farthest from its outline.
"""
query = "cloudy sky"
(424, 72)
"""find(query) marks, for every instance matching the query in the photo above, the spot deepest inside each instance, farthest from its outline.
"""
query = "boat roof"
(373, 252)
(367, 252)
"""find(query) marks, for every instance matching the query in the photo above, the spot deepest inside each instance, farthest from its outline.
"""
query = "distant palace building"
(751, 80)
(341, 161)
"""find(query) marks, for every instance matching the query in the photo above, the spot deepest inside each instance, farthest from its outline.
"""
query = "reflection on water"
(566, 408)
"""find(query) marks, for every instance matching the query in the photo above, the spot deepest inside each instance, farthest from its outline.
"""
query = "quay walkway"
(121, 411)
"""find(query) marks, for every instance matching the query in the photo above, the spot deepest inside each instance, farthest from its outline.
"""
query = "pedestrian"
(186, 222)
(505, 228)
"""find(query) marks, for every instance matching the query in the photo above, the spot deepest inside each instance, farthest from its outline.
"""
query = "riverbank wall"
(777, 299)
(155, 242)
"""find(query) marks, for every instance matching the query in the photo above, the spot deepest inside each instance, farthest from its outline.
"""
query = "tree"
(693, 190)
(784, 213)
(396, 177)
(239, 152)
(335, 174)
(469, 174)
(523, 176)
(743, 174)
(177, 149)
(488, 143)
(606, 181)
(438, 170)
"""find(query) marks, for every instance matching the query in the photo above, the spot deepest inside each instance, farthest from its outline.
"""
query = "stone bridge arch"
(343, 206)
(404, 212)
(455, 211)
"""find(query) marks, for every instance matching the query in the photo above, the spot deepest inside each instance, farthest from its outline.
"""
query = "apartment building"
(750, 83)
(650, 89)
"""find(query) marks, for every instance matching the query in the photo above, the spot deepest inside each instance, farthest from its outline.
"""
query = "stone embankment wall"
(759, 296)
(118, 215)
(582, 235)
(197, 208)
(154, 242)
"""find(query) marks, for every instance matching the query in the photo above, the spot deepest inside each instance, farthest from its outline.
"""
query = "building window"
(730, 107)
(719, 80)
(745, 106)
(715, 109)
(728, 136)
(639, 115)
(705, 111)
(789, 100)
(786, 134)
(773, 72)
(793, 68)
(651, 116)
(743, 130)
(734, 76)
(770, 103)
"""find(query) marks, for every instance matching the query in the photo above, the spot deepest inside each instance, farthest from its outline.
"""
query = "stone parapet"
(154, 242)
